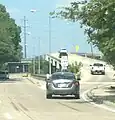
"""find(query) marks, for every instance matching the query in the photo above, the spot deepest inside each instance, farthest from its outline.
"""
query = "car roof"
(64, 73)
(98, 63)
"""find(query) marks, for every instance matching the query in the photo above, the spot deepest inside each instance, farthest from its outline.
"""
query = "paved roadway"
(22, 100)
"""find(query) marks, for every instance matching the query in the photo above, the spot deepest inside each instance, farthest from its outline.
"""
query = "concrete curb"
(97, 99)
(94, 98)
(109, 104)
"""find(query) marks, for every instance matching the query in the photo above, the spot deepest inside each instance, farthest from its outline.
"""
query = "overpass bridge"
(56, 61)
(89, 55)
(72, 58)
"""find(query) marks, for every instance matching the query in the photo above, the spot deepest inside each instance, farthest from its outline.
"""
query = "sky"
(64, 34)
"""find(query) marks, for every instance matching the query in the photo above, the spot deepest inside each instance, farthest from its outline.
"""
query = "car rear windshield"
(62, 76)
(97, 64)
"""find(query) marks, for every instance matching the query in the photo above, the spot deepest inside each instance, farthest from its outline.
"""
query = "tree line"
(10, 48)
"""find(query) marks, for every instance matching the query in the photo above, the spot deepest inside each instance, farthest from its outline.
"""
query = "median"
(103, 95)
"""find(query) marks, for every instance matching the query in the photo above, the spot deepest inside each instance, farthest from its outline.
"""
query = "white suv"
(97, 68)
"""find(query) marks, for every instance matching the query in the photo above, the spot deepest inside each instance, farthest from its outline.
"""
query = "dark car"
(4, 75)
(62, 83)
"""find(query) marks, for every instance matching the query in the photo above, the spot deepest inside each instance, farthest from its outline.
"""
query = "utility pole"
(25, 44)
(49, 43)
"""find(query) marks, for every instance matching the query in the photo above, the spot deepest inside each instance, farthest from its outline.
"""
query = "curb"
(95, 99)
(109, 104)
(98, 99)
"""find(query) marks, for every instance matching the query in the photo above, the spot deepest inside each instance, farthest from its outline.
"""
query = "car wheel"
(77, 96)
(103, 73)
(92, 73)
(48, 96)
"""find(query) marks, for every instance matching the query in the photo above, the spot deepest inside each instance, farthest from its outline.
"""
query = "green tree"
(10, 48)
(97, 17)
(75, 67)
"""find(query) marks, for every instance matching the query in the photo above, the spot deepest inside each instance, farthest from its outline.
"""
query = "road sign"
(77, 48)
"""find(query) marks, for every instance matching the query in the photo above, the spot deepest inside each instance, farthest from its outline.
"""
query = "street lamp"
(34, 60)
(50, 37)
(25, 46)
(33, 11)
(49, 43)
(39, 58)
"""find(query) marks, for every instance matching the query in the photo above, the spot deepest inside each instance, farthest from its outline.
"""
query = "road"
(22, 100)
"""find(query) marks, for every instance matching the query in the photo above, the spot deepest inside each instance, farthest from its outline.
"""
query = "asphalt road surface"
(22, 100)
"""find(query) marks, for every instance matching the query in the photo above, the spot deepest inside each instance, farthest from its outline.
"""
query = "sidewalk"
(103, 95)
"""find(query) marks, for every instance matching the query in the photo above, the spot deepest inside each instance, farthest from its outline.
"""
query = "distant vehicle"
(63, 53)
(97, 68)
(4, 75)
(62, 83)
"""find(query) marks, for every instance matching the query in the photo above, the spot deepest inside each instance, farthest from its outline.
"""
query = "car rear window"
(97, 64)
(62, 76)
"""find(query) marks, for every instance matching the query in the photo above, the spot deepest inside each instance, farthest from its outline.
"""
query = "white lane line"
(8, 116)
(96, 105)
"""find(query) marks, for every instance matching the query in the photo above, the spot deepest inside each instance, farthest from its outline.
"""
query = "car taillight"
(76, 83)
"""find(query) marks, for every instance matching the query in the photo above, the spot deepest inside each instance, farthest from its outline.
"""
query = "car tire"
(103, 73)
(77, 96)
(92, 73)
(48, 96)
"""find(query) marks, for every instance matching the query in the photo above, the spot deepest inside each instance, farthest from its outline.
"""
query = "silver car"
(62, 83)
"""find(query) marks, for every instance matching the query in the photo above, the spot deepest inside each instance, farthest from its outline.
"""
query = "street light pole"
(39, 58)
(34, 60)
(25, 44)
(49, 43)
(33, 11)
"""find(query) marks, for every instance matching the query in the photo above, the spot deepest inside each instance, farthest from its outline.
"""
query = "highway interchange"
(20, 99)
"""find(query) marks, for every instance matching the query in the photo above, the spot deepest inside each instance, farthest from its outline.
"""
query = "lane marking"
(96, 105)
(8, 116)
